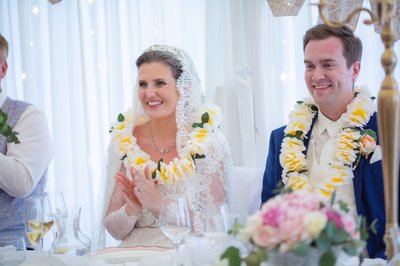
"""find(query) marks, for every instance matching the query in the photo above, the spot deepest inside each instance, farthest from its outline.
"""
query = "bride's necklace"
(158, 149)
(347, 146)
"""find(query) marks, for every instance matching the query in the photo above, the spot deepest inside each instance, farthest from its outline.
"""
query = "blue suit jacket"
(368, 187)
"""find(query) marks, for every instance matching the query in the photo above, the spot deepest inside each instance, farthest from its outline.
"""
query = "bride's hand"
(146, 190)
(126, 187)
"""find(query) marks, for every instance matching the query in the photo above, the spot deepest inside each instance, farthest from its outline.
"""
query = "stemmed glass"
(175, 221)
(34, 221)
(55, 209)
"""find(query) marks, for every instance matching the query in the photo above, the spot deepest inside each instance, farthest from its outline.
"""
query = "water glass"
(175, 221)
(12, 250)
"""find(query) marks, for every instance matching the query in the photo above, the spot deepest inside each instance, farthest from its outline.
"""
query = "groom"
(332, 64)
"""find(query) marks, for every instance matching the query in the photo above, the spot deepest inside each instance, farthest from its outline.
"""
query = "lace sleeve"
(119, 224)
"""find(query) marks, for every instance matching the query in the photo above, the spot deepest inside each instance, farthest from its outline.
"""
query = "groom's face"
(329, 80)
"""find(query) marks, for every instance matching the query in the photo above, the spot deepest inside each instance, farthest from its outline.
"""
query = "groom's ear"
(355, 67)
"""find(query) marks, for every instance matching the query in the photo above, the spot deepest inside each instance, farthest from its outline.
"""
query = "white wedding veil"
(190, 102)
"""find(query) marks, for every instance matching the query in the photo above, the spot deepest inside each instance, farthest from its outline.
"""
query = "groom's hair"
(352, 46)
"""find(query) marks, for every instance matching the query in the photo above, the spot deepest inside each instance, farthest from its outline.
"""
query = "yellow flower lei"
(346, 148)
(175, 171)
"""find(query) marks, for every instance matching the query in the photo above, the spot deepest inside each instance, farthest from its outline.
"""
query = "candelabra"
(388, 111)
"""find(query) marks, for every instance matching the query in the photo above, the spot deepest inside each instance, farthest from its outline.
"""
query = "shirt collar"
(333, 127)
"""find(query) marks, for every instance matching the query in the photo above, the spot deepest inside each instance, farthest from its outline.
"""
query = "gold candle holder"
(388, 111)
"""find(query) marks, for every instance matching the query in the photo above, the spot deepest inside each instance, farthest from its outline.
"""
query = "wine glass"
(34, 225)
(55, 209)
(175, 221)
(12, 250)
(219, 220)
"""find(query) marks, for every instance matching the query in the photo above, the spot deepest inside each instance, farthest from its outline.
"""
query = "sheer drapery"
(76, 61)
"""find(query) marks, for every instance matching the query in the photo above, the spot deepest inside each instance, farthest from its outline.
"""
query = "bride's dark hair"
(161, 57)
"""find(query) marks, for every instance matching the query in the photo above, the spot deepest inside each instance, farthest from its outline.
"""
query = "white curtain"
(76, 61)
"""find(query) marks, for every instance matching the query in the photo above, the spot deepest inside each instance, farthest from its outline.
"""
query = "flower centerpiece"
(6, 129)
(299, 228)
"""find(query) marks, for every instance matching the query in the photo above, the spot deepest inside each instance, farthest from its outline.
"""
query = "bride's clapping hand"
(126, 187)
(146, 190)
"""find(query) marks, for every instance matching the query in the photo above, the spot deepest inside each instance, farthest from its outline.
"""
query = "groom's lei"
(348, 148)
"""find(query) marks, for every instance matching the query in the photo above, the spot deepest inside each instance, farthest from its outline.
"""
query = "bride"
(168, 146)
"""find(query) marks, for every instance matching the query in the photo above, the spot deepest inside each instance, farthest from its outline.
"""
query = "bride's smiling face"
(158, 93)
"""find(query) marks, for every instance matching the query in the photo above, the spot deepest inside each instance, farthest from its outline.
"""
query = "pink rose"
(350, 226)
(367, 144)
(266, 236)
(273, 216)
(335, 217)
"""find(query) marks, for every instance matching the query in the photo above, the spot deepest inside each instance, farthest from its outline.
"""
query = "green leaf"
(340, 236)
(154, 175)
(300, 102)
(301, 249)
(194, 125)
(159, 164)
(111, 130)
(372, 227)
(323, 241)
(314, 108)
(205, 117)
(299, 134)
(333, 198)
(121, 118)
(327, 259)
(256, 257)
(233, 256)
(370, 133)
(357, 161)
(199, 156)
(343, 206)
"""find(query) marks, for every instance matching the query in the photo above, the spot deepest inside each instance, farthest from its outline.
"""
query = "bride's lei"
(349, 144)
(196, 147)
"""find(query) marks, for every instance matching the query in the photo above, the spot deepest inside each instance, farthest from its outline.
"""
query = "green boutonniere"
(6, 129)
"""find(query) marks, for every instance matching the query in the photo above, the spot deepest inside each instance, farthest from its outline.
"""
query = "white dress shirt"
(24, 164)
(320, 154)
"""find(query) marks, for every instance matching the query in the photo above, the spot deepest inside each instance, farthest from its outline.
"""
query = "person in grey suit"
(23, 165)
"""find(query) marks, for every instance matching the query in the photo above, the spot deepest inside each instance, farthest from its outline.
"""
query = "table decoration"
(299, 228)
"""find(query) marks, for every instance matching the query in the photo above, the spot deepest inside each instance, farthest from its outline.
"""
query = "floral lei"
(350, 143)
(178, 168)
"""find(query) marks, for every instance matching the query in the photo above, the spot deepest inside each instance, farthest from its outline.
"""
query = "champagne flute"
(175, 221)
(55, 209)
(34, 225)
(48, 217)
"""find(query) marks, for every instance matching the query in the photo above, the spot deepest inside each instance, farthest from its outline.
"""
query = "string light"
(283, 76)
(35, 10)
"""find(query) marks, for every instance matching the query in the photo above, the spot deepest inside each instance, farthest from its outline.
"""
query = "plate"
(122, 255)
